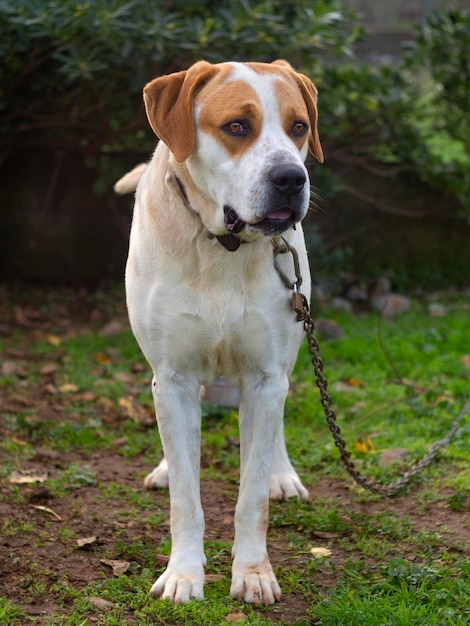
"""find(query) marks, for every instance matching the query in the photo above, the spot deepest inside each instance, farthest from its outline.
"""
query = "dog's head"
(243, 131)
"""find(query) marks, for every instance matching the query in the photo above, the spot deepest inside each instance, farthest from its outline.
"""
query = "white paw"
(288, 485)
(255, 585)
(158, 477)
(180, 586)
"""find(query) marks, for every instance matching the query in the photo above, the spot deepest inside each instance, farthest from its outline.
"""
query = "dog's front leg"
(179, 422)
(261, 412)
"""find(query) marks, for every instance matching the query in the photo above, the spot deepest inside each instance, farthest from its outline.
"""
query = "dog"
(206, 297)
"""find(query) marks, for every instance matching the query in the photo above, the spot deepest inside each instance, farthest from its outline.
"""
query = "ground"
(97, 495)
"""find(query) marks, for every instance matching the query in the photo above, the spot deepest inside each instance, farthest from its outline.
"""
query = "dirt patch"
(47, 557)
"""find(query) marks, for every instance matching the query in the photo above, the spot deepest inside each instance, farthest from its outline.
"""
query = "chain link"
(387, 490)
(301, 307)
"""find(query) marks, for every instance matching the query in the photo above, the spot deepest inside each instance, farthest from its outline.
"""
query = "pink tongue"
(280, 214)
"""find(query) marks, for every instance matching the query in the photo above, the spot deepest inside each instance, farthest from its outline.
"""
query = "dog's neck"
(229, 241)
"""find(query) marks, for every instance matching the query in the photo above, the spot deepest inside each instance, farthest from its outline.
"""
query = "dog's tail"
(128, 183)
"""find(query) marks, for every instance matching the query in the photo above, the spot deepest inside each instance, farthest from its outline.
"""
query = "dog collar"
(229, 241)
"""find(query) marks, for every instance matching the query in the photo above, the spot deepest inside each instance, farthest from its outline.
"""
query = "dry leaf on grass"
(325, 535)
(46, 509)
(100, 603)
(68, 388)
(136, 411)
(118, 567)
(27, 477)
(465, 359)
(364, 446)
(49, 368)
(86, 541)
(213, 578)
(162, 559)
(318, 553)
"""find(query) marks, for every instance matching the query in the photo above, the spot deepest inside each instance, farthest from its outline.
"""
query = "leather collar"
(229, 241)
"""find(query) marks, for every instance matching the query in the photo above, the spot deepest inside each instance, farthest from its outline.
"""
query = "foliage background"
(72, 74)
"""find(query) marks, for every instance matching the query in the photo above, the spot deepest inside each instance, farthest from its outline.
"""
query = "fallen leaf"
(46, 509)
(364, 446)
(162, 559)
(86, 541)
(10, 368)
(325, 535)
(102, 358)
(465, 359)
(49, 368)
(25, 477)
(19, 442)
(136, 411)
(54, 340)
(354, 382)
(343, 385)
(318, 553)
(68, 388)
(100, 603)
(123, 377)
(118, 567)
(105, 403)
(214, 577)
(84, 397)
(117, 443)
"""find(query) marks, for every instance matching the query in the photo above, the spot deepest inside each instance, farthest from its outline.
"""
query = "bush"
(72, 72)
(409, 118)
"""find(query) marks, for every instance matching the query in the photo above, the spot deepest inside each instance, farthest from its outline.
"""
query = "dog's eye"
(239, 128)
(299, 129)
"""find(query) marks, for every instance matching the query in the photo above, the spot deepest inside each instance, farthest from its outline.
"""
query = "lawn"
(82, 540)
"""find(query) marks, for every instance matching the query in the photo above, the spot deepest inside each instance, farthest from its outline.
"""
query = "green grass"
(393, 562)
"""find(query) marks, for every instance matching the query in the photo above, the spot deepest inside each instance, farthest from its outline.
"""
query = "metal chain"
(322, 383)
(301, 307)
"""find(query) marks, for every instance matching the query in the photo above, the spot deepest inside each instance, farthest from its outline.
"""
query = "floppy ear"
(310, 93)
(169, 106)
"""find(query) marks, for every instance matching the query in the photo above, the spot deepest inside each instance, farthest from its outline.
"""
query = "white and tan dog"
(205, 298)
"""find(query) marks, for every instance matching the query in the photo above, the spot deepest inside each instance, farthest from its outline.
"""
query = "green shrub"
(409, 118)
(72, 72)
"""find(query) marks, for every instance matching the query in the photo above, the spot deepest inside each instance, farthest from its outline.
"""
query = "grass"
(396, 562)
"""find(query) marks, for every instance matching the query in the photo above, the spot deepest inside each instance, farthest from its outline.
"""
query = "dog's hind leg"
(158, 477)
(284, 482)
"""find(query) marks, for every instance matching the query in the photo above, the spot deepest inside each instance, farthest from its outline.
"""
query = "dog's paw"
(179, 587)
(158, 477)
(285, 486)
(255, 585)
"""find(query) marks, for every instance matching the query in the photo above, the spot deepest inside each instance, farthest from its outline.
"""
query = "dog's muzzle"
(287, 182)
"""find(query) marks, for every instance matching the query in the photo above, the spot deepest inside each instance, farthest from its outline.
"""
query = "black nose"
(288, 179)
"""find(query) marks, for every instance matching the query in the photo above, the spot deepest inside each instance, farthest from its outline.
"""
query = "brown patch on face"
(292, 109)
(227, 103)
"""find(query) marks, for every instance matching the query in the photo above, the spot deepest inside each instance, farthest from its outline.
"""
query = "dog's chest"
(221, 331)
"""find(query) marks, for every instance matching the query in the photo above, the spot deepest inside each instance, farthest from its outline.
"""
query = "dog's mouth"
(233, 223)
(275, 222)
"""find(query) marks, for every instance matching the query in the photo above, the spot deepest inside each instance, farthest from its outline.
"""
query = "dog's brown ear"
(169, 105)
(310, 93)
